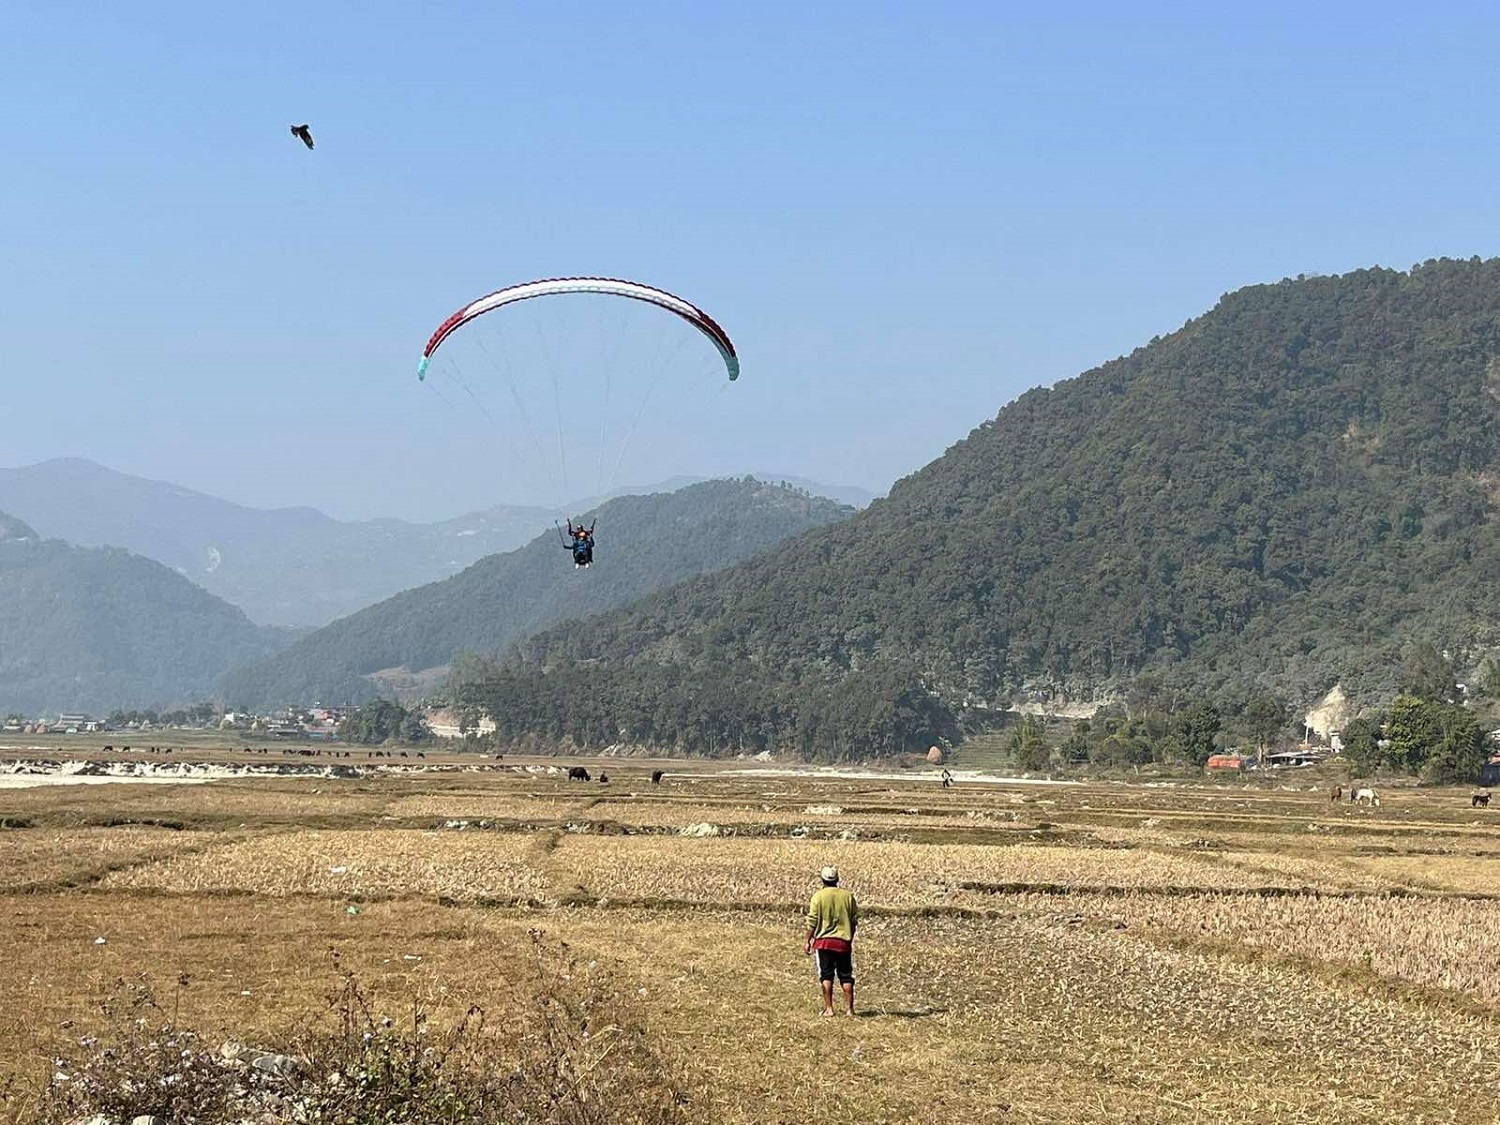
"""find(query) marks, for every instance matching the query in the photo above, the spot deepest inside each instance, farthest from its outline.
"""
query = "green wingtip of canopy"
(422, 368)
(734, 367)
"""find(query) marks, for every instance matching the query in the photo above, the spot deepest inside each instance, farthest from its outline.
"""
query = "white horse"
(1364, 795)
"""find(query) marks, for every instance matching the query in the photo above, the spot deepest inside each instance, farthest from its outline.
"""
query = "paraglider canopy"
(569, 382)
(548, 287)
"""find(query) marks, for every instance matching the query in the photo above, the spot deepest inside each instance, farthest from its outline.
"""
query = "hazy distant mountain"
(12, 528)
(1281, 496)
(92, 629)
(851, 494)
(644, 544)
(283, 566)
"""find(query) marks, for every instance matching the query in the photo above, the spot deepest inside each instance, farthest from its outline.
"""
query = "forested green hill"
(1278, 497)
(644, 544)
(92, 629)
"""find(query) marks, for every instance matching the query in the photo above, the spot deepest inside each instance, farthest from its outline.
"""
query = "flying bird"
(303, 134)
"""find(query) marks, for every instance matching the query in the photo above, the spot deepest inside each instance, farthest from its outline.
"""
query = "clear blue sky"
(905, 214)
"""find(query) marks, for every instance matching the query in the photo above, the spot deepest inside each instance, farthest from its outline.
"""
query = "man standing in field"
(832, 918)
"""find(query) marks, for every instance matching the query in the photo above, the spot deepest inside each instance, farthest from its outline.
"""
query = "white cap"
(829, 874)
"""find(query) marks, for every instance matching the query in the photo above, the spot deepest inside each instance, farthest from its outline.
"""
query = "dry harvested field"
(1089, 953)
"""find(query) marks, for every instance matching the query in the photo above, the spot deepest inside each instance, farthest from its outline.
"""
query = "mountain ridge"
(293, 566)
(284, 566)
(644, 542)
(96, 628)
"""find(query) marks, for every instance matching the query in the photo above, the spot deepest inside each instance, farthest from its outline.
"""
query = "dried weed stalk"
(571, 1053)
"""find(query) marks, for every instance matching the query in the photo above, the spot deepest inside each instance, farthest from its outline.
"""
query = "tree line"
(1435, 729)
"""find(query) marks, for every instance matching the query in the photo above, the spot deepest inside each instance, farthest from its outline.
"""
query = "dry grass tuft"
(572, 1053)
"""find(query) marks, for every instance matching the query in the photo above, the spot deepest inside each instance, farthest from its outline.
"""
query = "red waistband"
(833, 944)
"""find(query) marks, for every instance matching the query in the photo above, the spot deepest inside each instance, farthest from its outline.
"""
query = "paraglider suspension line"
(515, 394)
(551, 361)
(641, 411)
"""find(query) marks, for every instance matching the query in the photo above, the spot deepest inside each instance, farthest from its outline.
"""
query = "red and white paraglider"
(603, 361)
(608, 286)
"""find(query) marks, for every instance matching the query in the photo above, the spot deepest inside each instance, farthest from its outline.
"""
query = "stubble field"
(1091, 953)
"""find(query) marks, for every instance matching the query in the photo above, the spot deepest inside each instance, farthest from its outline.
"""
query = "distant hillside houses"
(63, 724)
(316, 723)
(450, 724)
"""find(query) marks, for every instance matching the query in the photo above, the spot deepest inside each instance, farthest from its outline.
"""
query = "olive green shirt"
(833, 913)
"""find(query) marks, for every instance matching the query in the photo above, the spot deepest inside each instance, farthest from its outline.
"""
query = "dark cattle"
(1479, 801)
(603, 778)
(656, 776)
(577, 773)
(1336, 793)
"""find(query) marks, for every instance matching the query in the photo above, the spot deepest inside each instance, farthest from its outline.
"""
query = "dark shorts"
(836, 961)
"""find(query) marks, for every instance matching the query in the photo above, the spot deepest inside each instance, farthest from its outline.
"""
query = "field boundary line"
(1112, 891)
(89, 880)
(1335, 974)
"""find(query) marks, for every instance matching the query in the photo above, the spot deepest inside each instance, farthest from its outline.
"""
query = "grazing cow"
(1365, 795)
(1336, 794)
(1479, 801)
(656, 776)
(603, 778)
(577, 773)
